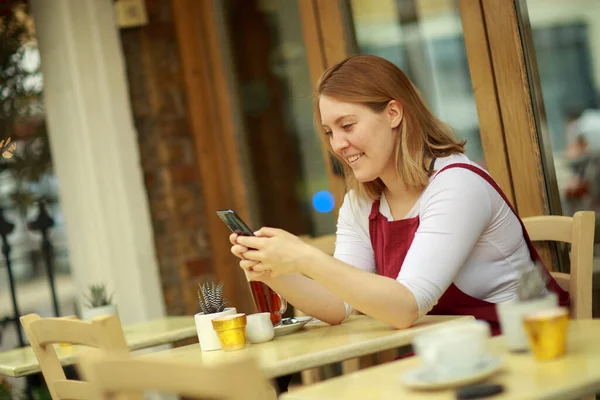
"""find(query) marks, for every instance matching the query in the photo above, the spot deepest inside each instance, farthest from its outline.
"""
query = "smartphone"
(478, 391)
(234, 222)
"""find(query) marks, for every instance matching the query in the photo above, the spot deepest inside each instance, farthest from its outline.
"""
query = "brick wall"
(168, 158)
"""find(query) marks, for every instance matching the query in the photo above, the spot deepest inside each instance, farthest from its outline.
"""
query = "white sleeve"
(353, 243)
(455, 210)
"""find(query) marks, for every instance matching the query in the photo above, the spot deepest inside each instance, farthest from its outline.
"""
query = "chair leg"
(283, 382)
(351, 365)
(386, 356)
(310, 376)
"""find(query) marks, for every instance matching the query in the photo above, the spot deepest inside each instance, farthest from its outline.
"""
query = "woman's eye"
(347, 127)
(328, 133)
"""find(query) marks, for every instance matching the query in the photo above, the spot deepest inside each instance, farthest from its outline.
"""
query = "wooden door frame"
(517, 112)
(526, 136)
(212, 122)
(539, 110)
(326, 41)
(485, 90)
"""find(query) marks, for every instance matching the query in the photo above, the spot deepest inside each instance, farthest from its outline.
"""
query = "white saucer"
(421, 378)
(281, 329)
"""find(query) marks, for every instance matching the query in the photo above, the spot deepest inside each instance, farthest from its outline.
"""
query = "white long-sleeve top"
(467, 235)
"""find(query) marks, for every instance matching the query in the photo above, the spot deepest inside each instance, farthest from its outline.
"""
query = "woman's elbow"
(334, 321)
(337, 317)
(332, 315)
(407, 317)
(404, 322)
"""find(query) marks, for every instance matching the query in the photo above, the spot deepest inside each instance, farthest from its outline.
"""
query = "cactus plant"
(210, 297)
(98, 296)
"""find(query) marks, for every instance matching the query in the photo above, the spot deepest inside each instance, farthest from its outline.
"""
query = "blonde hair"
(373, 82)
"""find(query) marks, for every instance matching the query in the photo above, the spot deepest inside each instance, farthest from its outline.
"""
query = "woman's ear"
(395, 112)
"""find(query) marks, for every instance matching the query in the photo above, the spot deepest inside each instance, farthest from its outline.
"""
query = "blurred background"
(135, 120)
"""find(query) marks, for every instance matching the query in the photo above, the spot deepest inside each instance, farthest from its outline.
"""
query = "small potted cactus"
(97, 302)
(532, 296)
(213, 305)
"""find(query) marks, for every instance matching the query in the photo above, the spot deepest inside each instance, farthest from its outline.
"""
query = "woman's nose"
(338, 142)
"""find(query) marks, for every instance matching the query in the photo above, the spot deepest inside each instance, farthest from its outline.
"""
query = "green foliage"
(5, 390)
(98, 296)
(21, 110)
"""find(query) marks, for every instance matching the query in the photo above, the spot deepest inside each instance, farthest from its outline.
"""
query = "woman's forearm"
(377, 296)
(310, 297)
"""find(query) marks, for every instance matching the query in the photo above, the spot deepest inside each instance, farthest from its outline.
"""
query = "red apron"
(392, 239)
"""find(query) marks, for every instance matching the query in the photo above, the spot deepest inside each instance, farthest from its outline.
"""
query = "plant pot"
(88, 314)
(206, 334)
(511, 314)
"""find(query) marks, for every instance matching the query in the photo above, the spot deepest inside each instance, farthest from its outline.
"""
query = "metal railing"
(42, 224)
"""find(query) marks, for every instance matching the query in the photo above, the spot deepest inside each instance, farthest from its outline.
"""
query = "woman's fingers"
(253, 255)
(239, 250)
(251, 242)
(233, 238)
(258, 276)
(248, 264)
(268, 232)
(259, 267)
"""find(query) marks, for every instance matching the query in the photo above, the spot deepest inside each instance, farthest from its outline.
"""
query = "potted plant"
(532, 296)
(213, 305)
(98, 302)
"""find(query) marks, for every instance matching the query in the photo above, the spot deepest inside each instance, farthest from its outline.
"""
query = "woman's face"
(361, 137)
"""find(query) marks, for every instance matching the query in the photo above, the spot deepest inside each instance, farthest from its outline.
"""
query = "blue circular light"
(323, 201)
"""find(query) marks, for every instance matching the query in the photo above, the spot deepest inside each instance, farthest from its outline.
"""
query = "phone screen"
(234, 222)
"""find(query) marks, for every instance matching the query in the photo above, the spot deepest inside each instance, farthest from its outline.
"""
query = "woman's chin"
(364, 177)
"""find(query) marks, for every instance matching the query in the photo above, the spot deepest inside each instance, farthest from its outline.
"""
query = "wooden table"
(575, 375)
(22, 361)
(315, 345)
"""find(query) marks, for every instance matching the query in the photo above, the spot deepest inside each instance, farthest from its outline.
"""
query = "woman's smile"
(353, 159)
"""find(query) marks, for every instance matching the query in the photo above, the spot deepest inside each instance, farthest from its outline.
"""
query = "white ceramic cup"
(511, 314)
(453, 351)
(259, 327)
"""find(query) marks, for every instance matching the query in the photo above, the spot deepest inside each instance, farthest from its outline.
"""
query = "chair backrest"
(103, 333)
(115, 374)
(579, 232)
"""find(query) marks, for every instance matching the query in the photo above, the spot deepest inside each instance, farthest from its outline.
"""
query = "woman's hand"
(247, 265)
(275, 250)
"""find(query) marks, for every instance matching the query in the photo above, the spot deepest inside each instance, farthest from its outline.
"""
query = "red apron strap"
(493, 183)
(374, 210)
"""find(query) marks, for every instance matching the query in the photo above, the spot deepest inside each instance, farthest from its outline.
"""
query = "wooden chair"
(114, 374)
(102, 333)
(579, 232)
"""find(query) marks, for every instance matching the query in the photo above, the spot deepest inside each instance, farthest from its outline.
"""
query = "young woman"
(422, 228)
